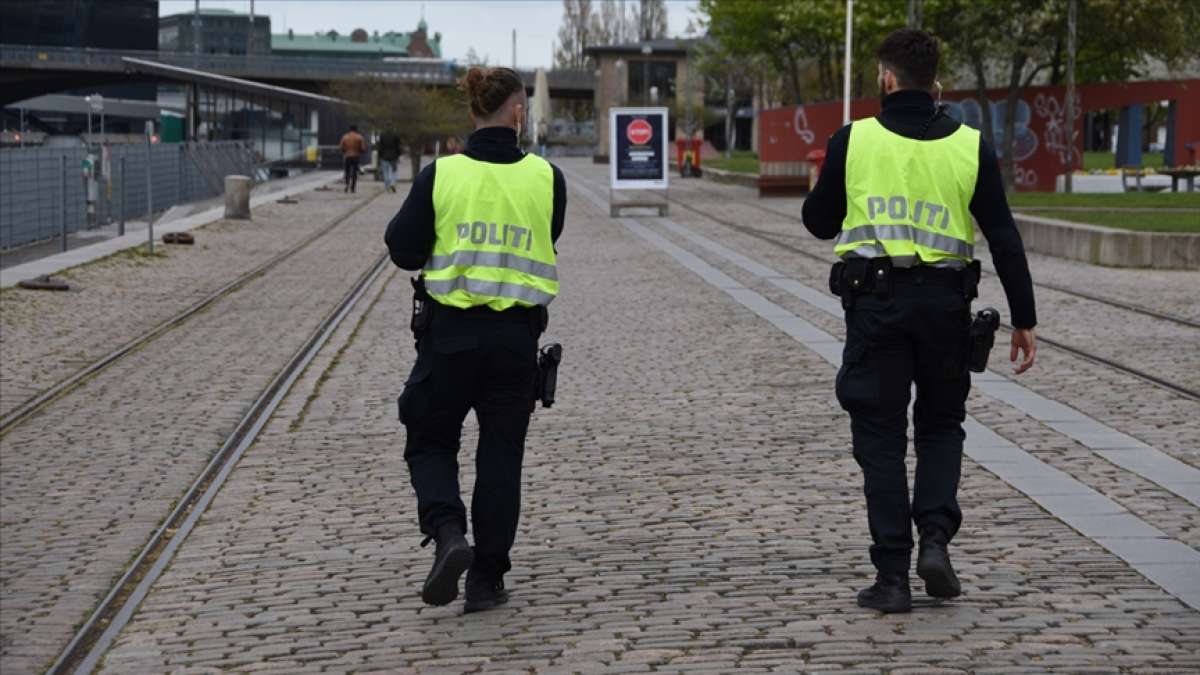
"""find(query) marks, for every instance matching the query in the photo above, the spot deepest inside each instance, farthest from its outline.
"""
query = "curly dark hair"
(912, 55)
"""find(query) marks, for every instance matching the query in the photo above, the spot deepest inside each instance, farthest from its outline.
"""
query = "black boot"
(933, 566)
(889, 594)
(484, 591)
(452, 558)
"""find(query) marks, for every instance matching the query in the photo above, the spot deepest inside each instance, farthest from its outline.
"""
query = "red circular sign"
(639, 132)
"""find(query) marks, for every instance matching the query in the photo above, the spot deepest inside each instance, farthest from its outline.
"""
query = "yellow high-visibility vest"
(908, 199)
(493, 245)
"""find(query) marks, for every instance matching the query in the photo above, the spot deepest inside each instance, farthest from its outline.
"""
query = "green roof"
(395, 44)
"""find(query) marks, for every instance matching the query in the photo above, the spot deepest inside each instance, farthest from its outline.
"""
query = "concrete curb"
(1109, 246)
(85, 254)
(749, 180)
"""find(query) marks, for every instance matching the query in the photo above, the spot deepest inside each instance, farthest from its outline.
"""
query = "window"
(646, 76)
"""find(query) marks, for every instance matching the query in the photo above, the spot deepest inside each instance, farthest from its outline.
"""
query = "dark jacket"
(389, 146)
(908, 113)
(411, 234)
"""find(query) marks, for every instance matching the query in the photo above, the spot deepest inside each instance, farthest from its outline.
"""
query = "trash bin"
(817, 160)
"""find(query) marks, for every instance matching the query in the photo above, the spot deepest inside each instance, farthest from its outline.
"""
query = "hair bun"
(487, 89)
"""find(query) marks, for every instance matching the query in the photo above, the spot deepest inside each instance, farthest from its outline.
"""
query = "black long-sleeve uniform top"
(411, 234)
(907, 113)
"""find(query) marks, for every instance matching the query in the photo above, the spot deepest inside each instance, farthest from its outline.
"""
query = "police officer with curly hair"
(898, 192)
(481, 226)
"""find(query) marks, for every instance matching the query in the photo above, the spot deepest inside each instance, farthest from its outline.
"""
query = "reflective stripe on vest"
(492, 225)
(909, 199)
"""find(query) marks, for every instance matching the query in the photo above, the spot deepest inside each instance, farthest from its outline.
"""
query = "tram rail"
(1174, 387)
(29, 407)
(92, 640)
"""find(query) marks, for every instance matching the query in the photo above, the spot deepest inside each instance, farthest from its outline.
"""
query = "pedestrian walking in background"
(898, 192)
(481, 226)
(353, 146)
(543, 130)
(389, 154)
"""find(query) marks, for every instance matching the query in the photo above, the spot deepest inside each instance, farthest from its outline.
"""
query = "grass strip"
(1101, 201)
(1141, 221)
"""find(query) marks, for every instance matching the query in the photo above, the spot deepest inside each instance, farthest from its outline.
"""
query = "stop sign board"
(637, 140)
(639, 132)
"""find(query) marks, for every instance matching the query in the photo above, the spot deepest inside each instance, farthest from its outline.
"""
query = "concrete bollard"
(237, 197)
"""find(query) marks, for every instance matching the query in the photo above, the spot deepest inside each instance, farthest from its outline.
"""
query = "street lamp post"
(846, 68)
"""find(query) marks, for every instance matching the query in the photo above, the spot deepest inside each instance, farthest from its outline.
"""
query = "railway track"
(1176, 388)
(1040, 284)
(89, 644)
(25, 410)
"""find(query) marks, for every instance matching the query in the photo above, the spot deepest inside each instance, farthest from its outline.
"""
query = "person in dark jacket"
(389, 154)
(898, 192)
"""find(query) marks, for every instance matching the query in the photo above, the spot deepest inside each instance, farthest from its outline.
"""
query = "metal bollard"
(237, 197)
(149, 197)
(124, 193)
(62, 194)
(179, 175)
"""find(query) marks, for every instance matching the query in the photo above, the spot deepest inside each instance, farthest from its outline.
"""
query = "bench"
(1137, 173)
(783, 179)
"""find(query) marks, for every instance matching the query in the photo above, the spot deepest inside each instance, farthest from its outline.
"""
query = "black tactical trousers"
(487, 363)
(919, 334)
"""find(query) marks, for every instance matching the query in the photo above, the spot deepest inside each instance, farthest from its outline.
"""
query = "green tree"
(1117, 37)
(803, 42)
(651, 19)
(420, 115)
(579, 30)
(1013, 43)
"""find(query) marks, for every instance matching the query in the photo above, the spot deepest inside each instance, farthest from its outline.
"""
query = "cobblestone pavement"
(85, 481)
(690, 504)
(1158, 417)
(118, 298)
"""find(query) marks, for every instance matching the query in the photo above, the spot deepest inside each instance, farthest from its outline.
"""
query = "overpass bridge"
(27, 71)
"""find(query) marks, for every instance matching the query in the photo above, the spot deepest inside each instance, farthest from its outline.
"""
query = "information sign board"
(638, 148)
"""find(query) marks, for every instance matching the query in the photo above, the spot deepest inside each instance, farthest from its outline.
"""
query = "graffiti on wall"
(800, 126)
(1055, 130)
(1025, 141)
(1041, 132)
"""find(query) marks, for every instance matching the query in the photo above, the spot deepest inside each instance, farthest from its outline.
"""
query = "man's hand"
(1023, 341)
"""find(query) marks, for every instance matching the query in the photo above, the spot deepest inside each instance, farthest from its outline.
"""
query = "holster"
(422, 309)
(980, 338)
(547, 373)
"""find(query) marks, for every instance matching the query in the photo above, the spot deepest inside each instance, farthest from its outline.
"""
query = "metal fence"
(43, 190)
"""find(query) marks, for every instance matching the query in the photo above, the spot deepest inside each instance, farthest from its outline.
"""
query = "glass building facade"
(108, 24)
(103, 24)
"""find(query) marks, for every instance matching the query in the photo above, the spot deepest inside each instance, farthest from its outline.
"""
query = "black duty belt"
(513, 315)
(928, 276)
(853, 277)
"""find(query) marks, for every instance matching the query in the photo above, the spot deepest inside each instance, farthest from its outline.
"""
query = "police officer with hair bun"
(481, 226)
(898, 192)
